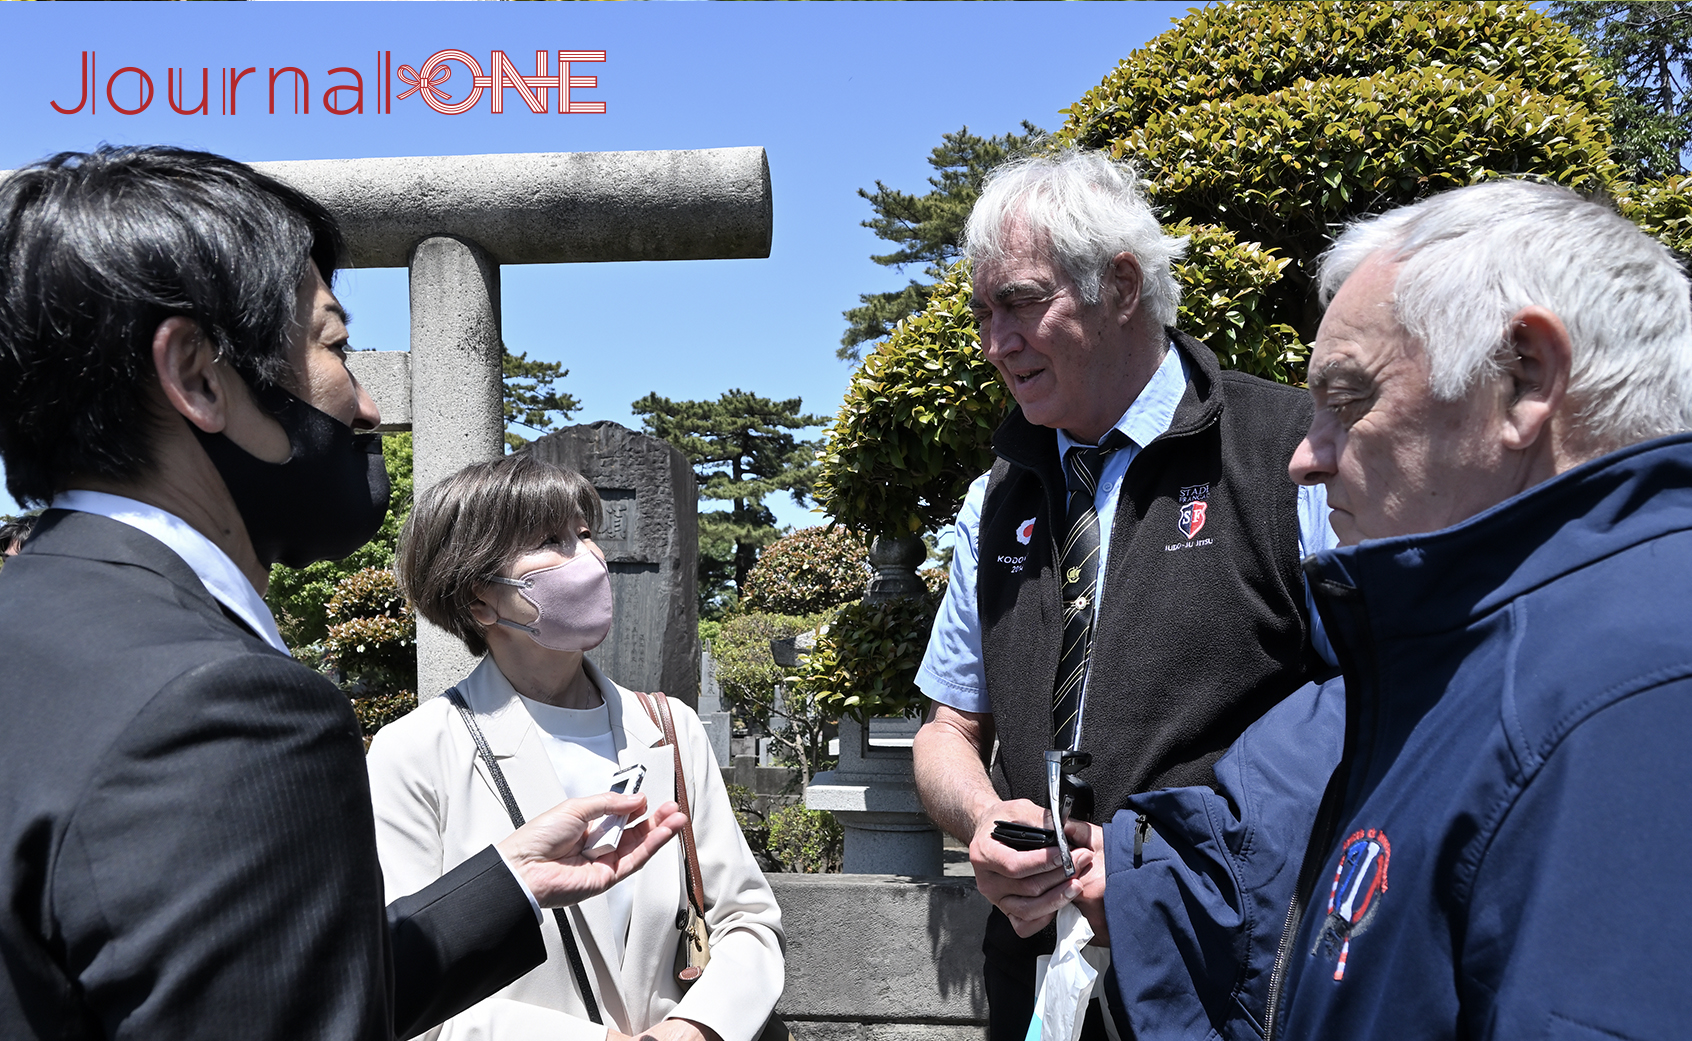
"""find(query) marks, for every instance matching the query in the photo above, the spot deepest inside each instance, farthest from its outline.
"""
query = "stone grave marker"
(711, 711)
(650, 535)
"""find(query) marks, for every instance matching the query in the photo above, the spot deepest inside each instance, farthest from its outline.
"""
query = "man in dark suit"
(186, 843)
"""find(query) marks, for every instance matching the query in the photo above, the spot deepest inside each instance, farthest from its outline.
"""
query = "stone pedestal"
(882, 958)
(873, 793)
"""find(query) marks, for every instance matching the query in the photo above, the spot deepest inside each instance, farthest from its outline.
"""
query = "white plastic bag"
(1064, 981)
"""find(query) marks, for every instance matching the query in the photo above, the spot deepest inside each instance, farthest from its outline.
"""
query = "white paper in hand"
(1066, 981)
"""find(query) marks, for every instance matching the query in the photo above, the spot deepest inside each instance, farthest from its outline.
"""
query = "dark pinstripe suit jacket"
(186, 843)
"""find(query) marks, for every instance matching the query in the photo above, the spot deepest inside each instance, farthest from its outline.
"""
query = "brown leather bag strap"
(658, 707)
(651, 709)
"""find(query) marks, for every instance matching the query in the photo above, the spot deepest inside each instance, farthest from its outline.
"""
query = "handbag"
(576, 965)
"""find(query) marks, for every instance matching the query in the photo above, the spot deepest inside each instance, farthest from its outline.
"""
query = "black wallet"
(1023, 836)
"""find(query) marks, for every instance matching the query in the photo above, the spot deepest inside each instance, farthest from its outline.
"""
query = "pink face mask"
(574, 601)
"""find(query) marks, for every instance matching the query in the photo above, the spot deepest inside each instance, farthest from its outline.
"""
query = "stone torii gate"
(453, 221)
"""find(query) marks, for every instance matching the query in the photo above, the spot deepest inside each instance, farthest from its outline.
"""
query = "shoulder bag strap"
(498, 775)
(658, 707)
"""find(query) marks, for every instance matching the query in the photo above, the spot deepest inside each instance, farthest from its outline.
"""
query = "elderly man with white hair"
(1125, 582)
(1503, 385)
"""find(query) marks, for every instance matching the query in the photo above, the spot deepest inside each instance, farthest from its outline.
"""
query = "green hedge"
(866, 658)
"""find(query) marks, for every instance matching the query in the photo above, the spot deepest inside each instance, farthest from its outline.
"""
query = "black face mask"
(327, 500)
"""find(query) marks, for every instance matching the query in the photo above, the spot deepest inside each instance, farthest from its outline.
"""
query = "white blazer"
(436, 807)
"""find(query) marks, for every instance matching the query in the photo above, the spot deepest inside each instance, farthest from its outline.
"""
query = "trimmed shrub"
(1280, 122)
(866, 659)
(372, 636)
(916, 424)
(749, 677)
(806, 840)
(811, 570)
(1663, 209)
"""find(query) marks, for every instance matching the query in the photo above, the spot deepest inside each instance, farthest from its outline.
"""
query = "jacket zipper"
(1315, 853)
(1279, 972)
(1326, 823)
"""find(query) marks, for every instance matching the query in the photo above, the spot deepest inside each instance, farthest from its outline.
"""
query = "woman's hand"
(547, 852)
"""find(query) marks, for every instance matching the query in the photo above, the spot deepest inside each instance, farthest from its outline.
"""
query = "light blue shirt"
(953, 672)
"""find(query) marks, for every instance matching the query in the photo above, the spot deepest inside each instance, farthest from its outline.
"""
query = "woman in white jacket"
(499, 555)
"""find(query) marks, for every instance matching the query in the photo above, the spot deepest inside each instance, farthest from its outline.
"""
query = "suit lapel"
(517, 744)
(650, 949)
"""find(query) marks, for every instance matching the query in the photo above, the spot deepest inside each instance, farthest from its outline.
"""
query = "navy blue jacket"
(1198, 882)
(1503, 851)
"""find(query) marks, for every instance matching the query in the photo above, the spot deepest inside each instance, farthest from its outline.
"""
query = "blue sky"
(839, 94)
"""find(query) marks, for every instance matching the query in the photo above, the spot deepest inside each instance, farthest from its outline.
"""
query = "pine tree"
(927, 227)
(530, 397)
(742, 448)
(1647, 47)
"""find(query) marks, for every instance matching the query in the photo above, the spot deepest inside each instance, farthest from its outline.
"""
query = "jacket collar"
(1437, 581)
(73, 533)
(1035, 447)
(506, 723)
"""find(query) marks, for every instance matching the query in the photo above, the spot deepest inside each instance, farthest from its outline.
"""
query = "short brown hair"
(471, 526)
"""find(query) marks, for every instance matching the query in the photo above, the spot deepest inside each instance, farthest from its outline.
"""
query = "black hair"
(96, 250)
(16, 529)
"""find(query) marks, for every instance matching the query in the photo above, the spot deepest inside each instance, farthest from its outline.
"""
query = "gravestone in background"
(650, 535)
(711, 712)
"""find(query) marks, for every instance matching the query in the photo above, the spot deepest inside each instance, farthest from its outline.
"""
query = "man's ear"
(189, 374)
(1125, 275)
(1540, 357)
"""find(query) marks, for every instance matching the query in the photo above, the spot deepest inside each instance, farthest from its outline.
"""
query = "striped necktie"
(1082, 465)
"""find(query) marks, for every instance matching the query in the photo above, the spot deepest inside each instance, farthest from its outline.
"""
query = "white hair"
(1088, 208)
(1475, 257)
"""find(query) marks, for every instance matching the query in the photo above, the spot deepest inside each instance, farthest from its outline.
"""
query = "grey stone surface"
(790, 650)
(650, 536)
(879, 956)
(387, 376)
(457, 417)
(895, 561)
(718, 726)
(549, 207)
(763, 780)
(845, 1030)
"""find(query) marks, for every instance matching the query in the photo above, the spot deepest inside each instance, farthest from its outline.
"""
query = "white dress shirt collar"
(222, 579)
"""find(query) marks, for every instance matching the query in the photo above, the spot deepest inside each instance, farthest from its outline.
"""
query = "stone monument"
(650, 535)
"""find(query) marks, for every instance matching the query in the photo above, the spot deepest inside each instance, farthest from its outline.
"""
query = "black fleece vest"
(1204, 624)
